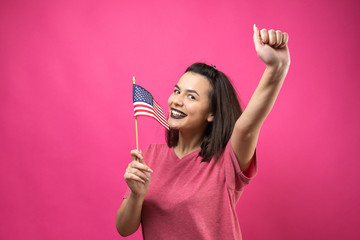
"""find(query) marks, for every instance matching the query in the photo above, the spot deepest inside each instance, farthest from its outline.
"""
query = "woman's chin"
(173, 125)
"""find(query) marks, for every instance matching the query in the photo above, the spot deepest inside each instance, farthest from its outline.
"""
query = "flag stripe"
(161, 115)
(158, 108)
(144, 106)
(152, 116)
(139, 109)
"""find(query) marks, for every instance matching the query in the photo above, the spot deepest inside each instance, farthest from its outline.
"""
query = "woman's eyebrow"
(188, 90)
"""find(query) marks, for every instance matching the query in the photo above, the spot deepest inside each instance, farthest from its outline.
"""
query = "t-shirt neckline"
(186, 156)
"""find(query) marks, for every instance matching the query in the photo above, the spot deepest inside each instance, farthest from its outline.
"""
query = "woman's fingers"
(140, 165)
(275, 39)
(135, 154)
(130, 176)
(264, 36)
(272, 37)
(142, 161)
(138, 173)
(285, 39)
(137, 169)
(279, 37)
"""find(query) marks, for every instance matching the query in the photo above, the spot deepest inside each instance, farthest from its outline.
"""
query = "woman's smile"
(174, 113)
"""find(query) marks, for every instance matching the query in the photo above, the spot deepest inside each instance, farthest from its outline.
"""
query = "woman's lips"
(177, 114)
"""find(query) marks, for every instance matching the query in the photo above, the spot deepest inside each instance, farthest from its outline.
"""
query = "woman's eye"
(191, 97)
(176, 91)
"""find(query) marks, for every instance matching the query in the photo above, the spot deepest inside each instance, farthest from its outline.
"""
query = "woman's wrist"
(136, 197)
(278, 71)
(278, 68)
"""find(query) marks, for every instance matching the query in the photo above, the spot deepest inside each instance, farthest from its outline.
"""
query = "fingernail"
(150, 170)
(254, 26)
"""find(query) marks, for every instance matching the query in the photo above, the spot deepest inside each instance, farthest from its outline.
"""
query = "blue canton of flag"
(145, 105)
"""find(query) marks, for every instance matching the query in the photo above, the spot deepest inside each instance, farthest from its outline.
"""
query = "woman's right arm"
(129, 215)
(138, 177)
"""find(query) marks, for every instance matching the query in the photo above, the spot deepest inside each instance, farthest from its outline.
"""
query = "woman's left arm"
(271, 47)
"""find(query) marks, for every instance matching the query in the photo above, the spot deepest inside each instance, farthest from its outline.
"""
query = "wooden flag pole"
(136, 128)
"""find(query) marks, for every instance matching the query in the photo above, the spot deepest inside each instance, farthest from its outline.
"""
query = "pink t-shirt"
(190, 199)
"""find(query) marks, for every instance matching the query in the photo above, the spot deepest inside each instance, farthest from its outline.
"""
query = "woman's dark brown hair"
(225, 106)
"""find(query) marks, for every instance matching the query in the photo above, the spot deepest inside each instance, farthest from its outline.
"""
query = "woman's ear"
(210, 117)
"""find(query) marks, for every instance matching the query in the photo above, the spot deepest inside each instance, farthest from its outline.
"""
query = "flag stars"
(142, 95)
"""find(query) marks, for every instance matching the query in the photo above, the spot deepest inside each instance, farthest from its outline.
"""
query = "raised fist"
(271, 47)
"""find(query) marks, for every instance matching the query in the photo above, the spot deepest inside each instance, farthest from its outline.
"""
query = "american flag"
(145, 105)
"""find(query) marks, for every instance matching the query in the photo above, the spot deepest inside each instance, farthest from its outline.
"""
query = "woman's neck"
(187, 143)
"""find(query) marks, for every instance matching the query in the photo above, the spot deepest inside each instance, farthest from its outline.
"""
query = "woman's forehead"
(194, 81)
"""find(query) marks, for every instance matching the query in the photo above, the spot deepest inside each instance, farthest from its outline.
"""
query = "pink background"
(66, 125)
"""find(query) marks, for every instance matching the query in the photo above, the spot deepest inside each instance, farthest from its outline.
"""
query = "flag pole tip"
(134, 82)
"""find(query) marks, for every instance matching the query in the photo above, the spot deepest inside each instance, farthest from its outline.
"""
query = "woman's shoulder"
(156, 148)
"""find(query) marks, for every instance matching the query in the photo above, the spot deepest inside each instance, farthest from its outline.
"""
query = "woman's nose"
(178, 100)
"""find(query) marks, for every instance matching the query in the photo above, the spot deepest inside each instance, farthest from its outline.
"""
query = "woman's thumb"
(257, 40)
(141, 160)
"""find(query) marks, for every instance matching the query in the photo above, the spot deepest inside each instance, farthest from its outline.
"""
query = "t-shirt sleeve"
(128, 190)
(235, 178)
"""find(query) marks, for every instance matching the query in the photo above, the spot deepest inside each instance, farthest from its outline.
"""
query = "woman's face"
(189, 104)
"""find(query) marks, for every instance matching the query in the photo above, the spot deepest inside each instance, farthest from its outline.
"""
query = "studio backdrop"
(66, 114)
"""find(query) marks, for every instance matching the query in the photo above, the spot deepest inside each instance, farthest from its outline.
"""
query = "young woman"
(189, 187)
